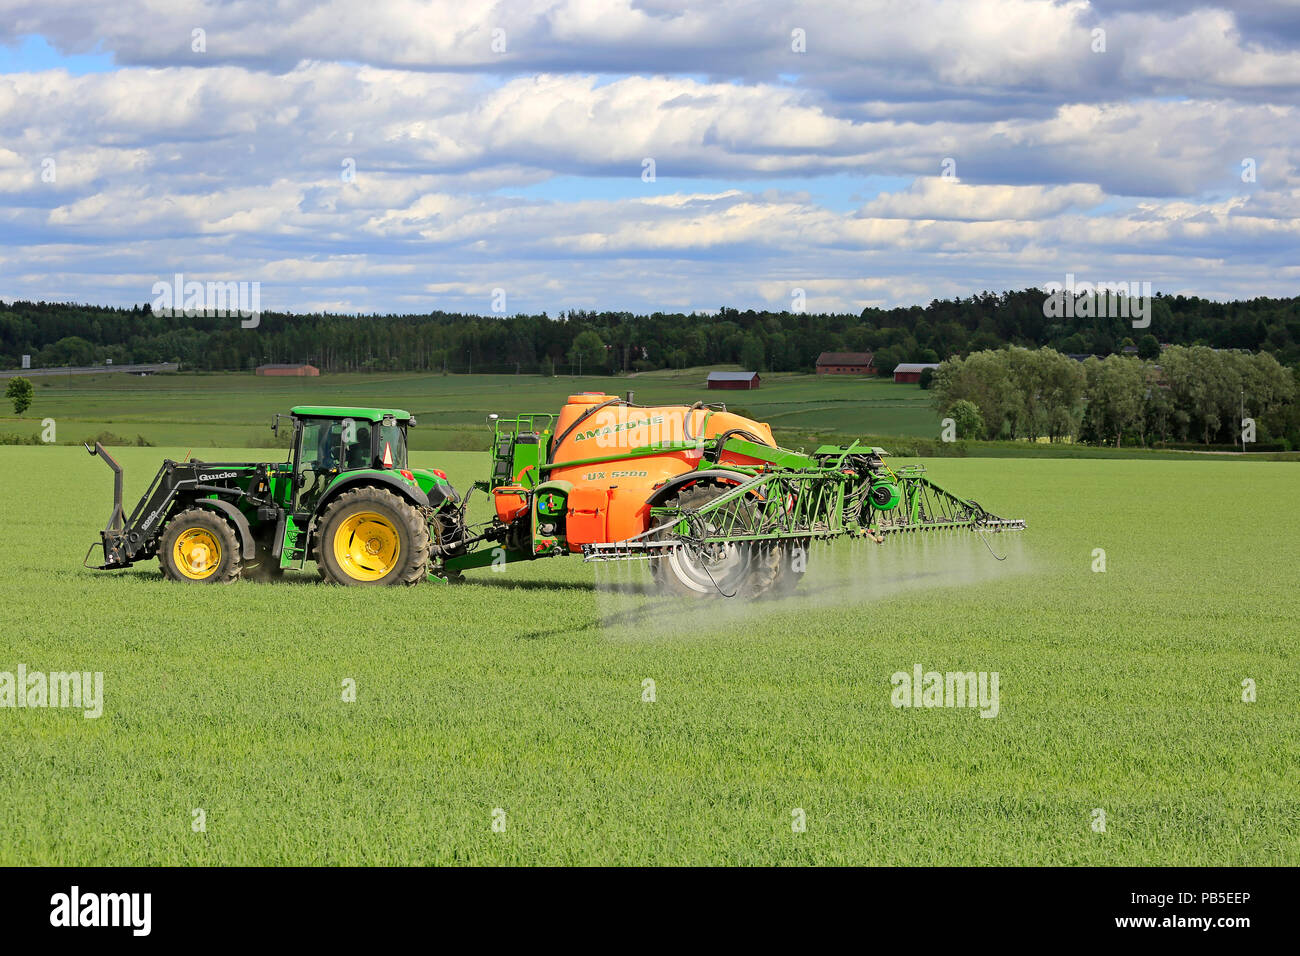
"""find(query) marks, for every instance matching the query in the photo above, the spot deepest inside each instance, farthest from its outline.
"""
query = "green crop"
(523, 691)
(205, 410)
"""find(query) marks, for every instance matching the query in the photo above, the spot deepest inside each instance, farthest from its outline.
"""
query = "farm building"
(742, 380)
(911, 371)
(298, 369)
(846, 363)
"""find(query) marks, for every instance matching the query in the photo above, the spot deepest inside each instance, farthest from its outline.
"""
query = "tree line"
(1190, 395)
(62, 334)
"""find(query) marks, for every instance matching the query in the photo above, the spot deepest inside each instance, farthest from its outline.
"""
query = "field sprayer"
(705, 495)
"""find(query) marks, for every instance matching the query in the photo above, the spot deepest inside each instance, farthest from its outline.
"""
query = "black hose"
(722, 440)
(555, 445)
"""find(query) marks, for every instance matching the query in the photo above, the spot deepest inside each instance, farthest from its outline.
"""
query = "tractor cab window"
(322, 441)
(357, 452)
(392, 441)
(319, 452)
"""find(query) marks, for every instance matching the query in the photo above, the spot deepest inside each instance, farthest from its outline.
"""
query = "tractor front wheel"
(199, 547)
(371, 536)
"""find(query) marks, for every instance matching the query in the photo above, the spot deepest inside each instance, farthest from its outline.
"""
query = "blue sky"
(416, 156)
(33, 52)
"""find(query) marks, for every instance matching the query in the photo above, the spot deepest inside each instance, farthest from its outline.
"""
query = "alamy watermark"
(922, 688)
(129, 910)
(80, 690)
(1112, 300)
(212, 299)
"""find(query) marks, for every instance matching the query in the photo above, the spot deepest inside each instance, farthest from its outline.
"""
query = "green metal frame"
(822, 500)
(512, 458)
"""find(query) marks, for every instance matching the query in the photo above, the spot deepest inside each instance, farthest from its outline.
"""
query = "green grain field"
(234, 410)
(1119, 691)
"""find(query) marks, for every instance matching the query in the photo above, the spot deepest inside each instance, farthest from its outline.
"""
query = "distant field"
(212, 410)
(1120, 691)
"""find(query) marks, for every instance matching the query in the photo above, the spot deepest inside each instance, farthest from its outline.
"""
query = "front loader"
(705, 495)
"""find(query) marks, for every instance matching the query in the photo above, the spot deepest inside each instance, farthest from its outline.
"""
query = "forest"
(61, 334)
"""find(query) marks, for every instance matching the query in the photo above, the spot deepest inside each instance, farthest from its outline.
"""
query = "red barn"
(846, 363)
(742, 380)
(298, 369)
(911, 371)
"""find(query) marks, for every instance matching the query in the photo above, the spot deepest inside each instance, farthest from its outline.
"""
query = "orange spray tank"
(606, 449)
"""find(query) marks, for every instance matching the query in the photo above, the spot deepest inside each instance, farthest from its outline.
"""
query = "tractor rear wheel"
(372, 536)
(704, 571)
(199, 547)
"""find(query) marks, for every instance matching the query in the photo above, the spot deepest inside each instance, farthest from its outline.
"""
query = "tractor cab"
(331, 440)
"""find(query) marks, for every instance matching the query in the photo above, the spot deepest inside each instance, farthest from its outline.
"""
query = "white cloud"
(476, 169)
(935, 197)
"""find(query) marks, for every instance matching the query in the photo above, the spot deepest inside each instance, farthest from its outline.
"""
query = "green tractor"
(345, 499)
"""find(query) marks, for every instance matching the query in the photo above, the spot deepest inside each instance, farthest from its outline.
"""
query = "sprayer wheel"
(764, 570)
(794, 565)
(779, 569)
(684, 572)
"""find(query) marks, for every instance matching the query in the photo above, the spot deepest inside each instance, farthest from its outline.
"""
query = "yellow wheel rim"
(366, 546)
(196, 553)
